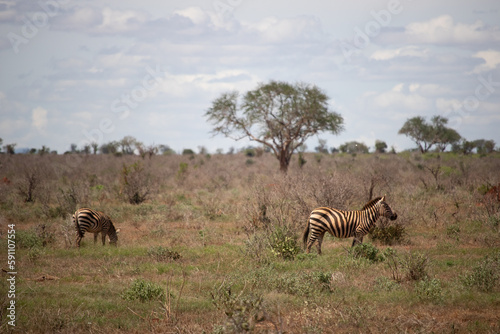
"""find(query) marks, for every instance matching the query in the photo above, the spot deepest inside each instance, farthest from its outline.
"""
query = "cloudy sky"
(76, 72)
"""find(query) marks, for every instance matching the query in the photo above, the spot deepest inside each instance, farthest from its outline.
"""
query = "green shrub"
(144, 291)
(28, 239)
(284, 243)
(182, 171)
(161, 253)
(429, 290)
(366, 251)
(250, 152)
(485, 276)
(243, 312)
(34, 254)
(385, 284)
(304, 284)
(389, 234)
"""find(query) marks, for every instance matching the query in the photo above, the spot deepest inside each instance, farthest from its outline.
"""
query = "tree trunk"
(284, 159)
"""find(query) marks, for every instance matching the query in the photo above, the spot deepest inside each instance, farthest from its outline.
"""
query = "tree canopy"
(279, 115)
(426, 135)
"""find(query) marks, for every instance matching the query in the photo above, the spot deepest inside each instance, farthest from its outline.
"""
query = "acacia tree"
(426, 135)
(278, 115)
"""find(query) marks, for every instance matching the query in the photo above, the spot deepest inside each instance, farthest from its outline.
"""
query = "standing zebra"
(87, 220)
(345, 224)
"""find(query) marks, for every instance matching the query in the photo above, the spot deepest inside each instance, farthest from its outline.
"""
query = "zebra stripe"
(345, 224)
(88, 220)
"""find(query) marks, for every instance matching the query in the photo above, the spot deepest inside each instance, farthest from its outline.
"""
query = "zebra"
(345, 224)
(88, 220)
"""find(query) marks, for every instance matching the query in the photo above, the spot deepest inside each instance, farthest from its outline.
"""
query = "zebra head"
(385, 210)
(113, 235)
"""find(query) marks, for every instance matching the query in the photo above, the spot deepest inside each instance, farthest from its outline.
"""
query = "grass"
(216, 264)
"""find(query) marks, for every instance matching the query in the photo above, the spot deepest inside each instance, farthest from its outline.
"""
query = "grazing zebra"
(345, 224)
(87, 220)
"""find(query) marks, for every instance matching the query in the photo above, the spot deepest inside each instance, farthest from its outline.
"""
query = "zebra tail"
(305, 234)
(77, 225)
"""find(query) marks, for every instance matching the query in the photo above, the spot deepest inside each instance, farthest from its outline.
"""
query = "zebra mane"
(371, 203)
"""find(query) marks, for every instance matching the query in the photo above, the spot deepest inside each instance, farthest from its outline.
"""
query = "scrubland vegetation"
(212, 244)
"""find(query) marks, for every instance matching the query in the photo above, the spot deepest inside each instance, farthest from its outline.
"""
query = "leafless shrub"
(135, 183)
(31, 179)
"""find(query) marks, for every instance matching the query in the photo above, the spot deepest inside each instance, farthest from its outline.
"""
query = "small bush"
(485, 276)
(135, 183)
(453, 231)
(243, 312)
(429, 290)
(28, 239)
(283, 243)
(257, 247)
(388, 234)
(385, 284)
(144, 291)
(367, 251)
(161, 253)
(182, 171)
(304, 284)
(394, 263)
(412, 266)
(415, 264)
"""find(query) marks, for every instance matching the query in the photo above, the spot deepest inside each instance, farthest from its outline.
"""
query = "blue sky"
(75, 72)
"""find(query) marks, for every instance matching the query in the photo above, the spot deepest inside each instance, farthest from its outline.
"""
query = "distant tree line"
(436, 134)
(428, 136)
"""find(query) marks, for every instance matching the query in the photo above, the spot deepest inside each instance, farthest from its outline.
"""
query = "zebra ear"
(383, 198)
(118, 230)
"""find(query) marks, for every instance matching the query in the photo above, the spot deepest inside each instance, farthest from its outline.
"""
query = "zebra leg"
(78, 239)
(103, 238)
(320, 240)
(358, 240)
(311, 242)
(95, 237)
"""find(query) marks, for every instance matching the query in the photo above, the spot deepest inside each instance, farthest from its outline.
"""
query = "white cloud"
(39, 118)
(429, 90)
(278, 30)
(399, 100)
(183, 86)
(406, 51)
(443, 30)
(491, 60)
(79, 18)
(446, 106)
(195, 14)
(121, 21)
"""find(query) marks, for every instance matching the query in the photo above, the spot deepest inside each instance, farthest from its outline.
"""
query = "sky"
(77, 72)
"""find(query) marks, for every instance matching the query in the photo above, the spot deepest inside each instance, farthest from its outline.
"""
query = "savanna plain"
(213, 244)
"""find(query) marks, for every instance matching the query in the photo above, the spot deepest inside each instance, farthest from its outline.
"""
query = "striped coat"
(345, 224)
(88, 220)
